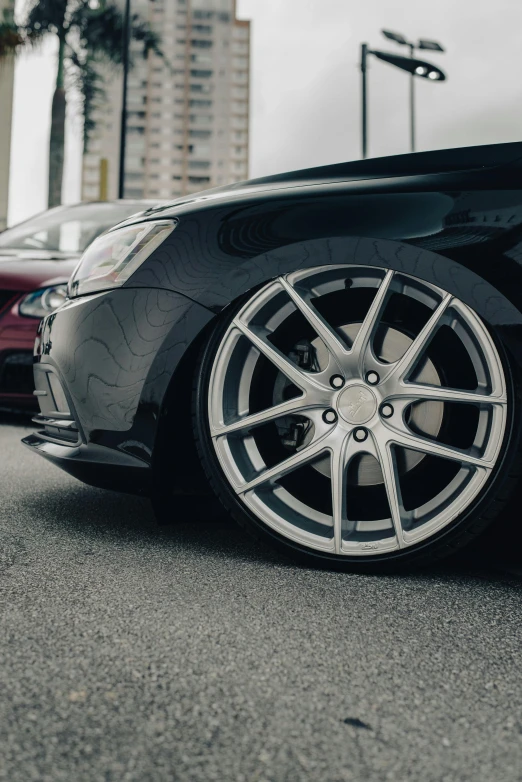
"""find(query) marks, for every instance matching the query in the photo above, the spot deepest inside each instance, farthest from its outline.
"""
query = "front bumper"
(95, 464)
(103, 364)
(61, 440)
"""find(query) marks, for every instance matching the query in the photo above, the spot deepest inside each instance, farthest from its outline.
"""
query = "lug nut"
(360, 435)
(386, 411)
(372, 378)
(337, 381)
(329, 416)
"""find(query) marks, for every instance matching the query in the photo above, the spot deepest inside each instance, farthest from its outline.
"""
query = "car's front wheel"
(357, 416)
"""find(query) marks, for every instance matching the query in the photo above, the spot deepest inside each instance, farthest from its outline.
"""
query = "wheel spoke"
(287, 465)
(422, 444)
(317, 322)
(298, 405)
(386, 460)
(369, 324)
(419, 393)
(341, 457)
(339, 465)
(292, 372)
(415, 350)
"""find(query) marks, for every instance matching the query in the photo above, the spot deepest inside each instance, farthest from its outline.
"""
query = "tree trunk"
(57, 142)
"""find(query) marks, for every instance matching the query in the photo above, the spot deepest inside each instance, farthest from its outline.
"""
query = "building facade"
(6, 118)
(188, 115)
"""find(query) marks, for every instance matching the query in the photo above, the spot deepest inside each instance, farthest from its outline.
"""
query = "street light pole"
(364, 113)
(123, 128)
(413, 66)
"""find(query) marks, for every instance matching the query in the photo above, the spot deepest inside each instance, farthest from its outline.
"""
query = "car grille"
(56, 416)
(61, 429)
(6, 297)
(16, 373)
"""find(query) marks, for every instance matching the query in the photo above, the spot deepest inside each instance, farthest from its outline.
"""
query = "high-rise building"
(6, 117)
(188, 114)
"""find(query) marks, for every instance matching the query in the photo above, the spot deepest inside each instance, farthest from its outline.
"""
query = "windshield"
(68, 230)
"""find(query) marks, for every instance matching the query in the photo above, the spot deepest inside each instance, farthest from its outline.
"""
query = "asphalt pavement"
(189, 652)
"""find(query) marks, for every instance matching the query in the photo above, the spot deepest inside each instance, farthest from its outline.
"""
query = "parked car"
(37, 257)
(334, 352)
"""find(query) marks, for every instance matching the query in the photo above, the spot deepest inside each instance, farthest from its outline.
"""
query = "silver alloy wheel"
(360, 404)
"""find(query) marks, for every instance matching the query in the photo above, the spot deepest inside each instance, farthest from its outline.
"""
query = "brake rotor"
(425, 417)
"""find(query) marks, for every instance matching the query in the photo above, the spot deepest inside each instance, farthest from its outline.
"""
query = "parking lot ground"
(135, 652)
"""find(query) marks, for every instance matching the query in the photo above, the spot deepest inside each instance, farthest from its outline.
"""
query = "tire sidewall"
(445, 542)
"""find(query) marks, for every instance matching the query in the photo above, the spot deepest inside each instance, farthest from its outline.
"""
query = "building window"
(201, 58)
(201, 74)
(199, 180)
(241, 31)
(200, 150)
(200, 88)
(201, 44)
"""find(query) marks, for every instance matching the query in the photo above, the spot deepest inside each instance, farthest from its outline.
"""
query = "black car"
(334, 353)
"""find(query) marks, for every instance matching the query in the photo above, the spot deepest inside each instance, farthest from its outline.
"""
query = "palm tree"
(90, 35)
(10, 37)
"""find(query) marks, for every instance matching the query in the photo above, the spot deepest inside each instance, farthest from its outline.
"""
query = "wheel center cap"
(357, 404)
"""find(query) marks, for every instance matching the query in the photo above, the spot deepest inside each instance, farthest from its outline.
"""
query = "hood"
(20, 271)
(443, 161)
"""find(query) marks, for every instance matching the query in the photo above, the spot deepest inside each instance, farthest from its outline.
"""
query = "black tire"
(486, 508)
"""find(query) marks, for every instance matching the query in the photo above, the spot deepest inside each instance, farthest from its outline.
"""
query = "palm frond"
(46, 16)
(85, 77)
(101, 31)
(11, 38)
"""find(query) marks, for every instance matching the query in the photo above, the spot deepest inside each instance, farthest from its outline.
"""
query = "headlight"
(111, 259)
(40, 303)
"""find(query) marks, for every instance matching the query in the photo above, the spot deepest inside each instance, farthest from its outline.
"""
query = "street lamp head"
(397, 37)
(433, 46)
(417, 67)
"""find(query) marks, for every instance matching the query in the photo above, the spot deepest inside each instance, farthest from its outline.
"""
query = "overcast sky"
(305, 90)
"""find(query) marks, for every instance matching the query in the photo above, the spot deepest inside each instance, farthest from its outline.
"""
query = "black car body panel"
(453, 218)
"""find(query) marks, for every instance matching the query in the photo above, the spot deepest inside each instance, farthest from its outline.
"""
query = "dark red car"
(37, 257)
